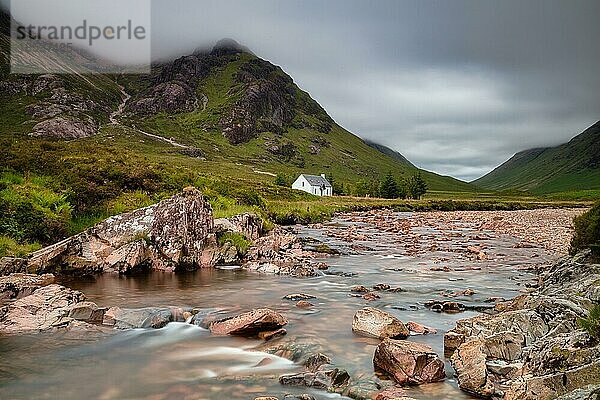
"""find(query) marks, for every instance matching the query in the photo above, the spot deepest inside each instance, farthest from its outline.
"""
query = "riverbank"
(534, 346)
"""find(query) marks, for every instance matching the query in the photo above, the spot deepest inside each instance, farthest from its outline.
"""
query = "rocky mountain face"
(533, 347)
(262, 98)
(571, 166)
(63, 110)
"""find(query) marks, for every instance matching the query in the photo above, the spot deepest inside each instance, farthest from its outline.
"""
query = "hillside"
(568, 167)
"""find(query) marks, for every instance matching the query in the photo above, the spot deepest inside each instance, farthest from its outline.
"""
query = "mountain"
(222, 119)
(389, 152)
(570, 166)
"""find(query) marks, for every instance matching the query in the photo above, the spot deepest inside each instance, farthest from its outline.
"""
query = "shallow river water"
(185, 362)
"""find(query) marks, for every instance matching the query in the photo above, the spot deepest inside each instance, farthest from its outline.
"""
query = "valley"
(152, 246)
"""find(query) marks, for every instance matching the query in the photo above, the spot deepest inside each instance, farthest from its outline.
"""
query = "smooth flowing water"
(185, 362)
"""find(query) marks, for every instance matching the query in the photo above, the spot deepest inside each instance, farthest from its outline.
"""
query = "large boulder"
(376, 323)
(87, 311)
(589, 392)
(416, 328)
(408, 363)
(280, 252)
(182, 229)
(325, 377)
(250, 324)
(12, 265)
(65, 128)
(176, 233)
(522, 326)
(469, 361)
(47, 308)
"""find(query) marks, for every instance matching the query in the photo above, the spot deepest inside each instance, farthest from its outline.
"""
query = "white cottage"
(318, 185)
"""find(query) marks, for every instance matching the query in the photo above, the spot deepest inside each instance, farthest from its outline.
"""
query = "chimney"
(323, 176)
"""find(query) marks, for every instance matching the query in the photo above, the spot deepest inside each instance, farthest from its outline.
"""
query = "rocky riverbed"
(361, 307)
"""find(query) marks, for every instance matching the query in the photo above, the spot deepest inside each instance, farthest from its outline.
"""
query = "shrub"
(587, 231)
(33, 214)
(282, 180)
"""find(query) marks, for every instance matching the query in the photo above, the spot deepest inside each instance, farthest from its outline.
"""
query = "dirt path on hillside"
(114, 120)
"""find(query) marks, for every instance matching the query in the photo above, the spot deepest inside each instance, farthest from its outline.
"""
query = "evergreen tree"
(389, 187)
(337, 187)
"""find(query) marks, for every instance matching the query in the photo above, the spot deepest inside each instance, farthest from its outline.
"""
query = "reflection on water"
(185, 362)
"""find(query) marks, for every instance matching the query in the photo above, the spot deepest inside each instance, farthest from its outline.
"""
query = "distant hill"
(570, 166)
(389, 152)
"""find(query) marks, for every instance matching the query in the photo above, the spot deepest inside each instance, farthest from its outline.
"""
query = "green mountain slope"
(249, 111)
(571, 166)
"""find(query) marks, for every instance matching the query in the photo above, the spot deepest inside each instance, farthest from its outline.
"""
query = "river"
(184, 361)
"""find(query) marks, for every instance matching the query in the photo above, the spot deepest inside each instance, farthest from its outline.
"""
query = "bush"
(587, 231)
(282, 180)
(31, 213)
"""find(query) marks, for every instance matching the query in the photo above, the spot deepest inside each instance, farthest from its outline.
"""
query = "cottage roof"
(316, 180)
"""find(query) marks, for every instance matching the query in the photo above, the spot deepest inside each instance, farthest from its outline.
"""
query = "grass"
(10, 247)
(587, 231)
(587, 195)
(320, 209)
(129, 201)
(274, 204)
(241, 243)
(591, 324)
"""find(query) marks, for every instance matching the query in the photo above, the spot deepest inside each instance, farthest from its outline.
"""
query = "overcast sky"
(455, 86)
